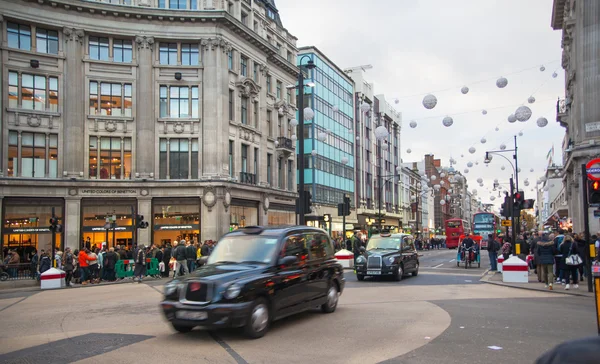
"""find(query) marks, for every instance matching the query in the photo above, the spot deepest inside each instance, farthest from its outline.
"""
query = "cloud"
(423, 46)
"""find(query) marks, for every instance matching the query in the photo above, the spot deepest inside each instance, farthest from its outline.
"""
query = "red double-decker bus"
(454, 229)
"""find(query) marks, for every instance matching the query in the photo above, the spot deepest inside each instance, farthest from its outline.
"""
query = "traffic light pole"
(586, 227)
(512, 218)
(133, 226)
(53, 242)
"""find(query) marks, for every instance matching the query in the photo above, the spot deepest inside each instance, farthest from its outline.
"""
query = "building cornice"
(220, 17)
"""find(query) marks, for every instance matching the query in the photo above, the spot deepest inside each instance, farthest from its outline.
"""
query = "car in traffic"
(388, 254)
(256, 275)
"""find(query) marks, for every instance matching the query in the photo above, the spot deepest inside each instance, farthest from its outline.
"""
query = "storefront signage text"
(177, 227)
(89, 229)
(40, 230)
(107, 191)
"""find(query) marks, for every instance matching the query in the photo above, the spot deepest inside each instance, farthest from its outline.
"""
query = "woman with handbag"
(572, 260)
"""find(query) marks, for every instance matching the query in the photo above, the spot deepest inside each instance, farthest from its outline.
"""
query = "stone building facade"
(114, 108)
(579, 111)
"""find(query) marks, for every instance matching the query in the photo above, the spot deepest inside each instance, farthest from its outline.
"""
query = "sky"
(418, 47)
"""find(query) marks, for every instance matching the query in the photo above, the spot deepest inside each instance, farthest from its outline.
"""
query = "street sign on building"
(593, 169)
(506, 223)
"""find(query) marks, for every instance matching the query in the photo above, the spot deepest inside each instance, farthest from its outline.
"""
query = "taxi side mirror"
(287, 261)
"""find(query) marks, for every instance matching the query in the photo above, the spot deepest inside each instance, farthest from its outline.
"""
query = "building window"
(269, 84)
(256, 162)
(193, 4)
(256, 26)
(280, 173)
(111, 156)
(289, 56)
(230, 60)
(269, 169)
(176, 160)
(245, 19)
(230, 7)
(179, 102)
(98, 48)
(290, 181)
(279, 90)
(244, 158)
(34, 160)
(189, 54)
(19, 36)
(122, 51)
(115, 99)
(255, 114)
(231, 110)
(177, 4)
(289, 96)
(168, 53)
(37, 92)
(231, 158)
(269, 127)
(244, 110)
(243, 66)
(46, 41)
(255, 71)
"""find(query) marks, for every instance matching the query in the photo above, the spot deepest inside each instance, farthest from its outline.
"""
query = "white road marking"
(468, 280)
(451, 260)
(439, 265)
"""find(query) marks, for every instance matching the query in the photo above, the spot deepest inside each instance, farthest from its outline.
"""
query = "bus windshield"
(454, 224)
(483, 219)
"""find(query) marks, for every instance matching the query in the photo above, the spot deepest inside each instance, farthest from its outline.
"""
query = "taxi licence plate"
(191, 315)
(374, 272)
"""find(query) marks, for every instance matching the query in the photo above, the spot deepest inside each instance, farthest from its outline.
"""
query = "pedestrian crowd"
(556, 258)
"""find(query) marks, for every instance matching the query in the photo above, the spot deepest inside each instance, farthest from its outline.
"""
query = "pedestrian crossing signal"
(594, 192)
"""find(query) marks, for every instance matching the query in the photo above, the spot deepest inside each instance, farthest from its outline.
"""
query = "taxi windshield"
(379, 242)
(252, 249)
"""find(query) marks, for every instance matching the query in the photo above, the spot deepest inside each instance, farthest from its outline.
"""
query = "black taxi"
(256, 275)
(388, 255)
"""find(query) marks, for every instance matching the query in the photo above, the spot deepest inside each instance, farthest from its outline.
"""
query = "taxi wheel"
(416, 272)
(258, 320)
(360, 277)
(182, 329)
(399, 273)
(332, 299)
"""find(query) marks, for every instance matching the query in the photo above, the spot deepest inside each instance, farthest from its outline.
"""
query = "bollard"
(53, 278)
(345, 258)
(515, 270)
(500, 261)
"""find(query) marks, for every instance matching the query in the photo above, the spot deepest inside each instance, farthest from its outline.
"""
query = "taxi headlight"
(233, 291)
(361, 260)
(171, 287)
(391, 260)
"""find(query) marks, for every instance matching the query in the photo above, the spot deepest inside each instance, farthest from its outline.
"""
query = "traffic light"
(519, 200)
(505, 210)
(55, 227)
(307, 202)
(140, 223)
(594, 192)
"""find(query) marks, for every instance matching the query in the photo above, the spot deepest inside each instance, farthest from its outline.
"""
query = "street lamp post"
(309, 65)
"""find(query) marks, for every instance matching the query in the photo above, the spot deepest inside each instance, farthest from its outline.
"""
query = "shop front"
(242, 213)
(25, 225)
(107, 220)
(174, 220)
(280, 214)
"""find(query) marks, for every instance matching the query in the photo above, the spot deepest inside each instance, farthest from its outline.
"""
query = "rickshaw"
(473, 255)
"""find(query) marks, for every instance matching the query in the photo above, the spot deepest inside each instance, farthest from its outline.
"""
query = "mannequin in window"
(104, 173)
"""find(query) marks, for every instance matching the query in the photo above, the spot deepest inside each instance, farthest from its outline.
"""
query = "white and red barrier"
(500, 262)
(53, 278)
(515, 270)
(345, 258)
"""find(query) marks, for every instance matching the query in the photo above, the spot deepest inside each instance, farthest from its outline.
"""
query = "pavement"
(534, 285)
(446, 314)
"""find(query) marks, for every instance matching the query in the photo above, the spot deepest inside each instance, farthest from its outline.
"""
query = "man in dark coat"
(546, 251)
(140, 264)
(190, 256)
(205, 249)
(580, 351)
(167, 259)
(493, 247)
(69, 266)
(110, 261)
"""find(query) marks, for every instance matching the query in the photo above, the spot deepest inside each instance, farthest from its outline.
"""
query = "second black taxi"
(256, 275)
(388, 255)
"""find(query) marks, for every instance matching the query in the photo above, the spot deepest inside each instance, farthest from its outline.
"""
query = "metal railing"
(285, 143)
(19, 271)
(248, 178)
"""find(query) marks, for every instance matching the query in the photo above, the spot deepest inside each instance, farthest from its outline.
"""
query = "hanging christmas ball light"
(448, 121)
(396, 101)
(531, 99)
(526, 183)
(520, 133)
(293, 123)
(276, 143)
(381, 132)
(442, 175)
(321, 136)
(479, 180)
(512, 118)
(350, 131)
(442, 202)
(497, 129)
(314, 153)
(476, 163)
(502, 146)
(492, 198)
(523, 113)
(436, 187)
(335, 108)
(481, 185)
(429, 101)
(442, 183)
(462, 155)
(472, 150)
(294, 137)
(495, 180)
(450, 190)
(474, 191)
(409, 151)
(384, 146)
(470, 164)
(483, 140)
(501, 82)
(357, 138)
(554, 74)
(413, 124)
(433, 178)
(542, 68)
(364, 107)
(542, 122)
(344, 160)
(309, 114)
(464, 90)
(466, 170)
(502, 168)
(484, 112)
(519, 170)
